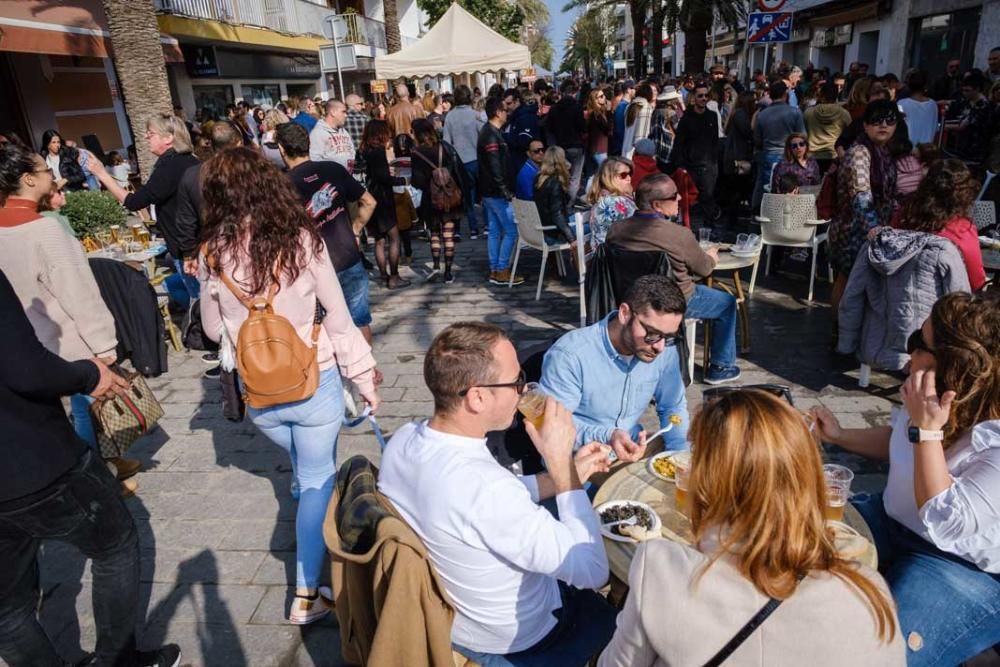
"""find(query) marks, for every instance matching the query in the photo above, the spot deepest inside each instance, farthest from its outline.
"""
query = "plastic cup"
(682, 471)
(532, 404)
(705, 237)
(838, 490)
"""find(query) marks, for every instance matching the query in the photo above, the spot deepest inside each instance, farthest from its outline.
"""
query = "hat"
(629, 83)
(669, 93)
(717, 67)
(645, 147)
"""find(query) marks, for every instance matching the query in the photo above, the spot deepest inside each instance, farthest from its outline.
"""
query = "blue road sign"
(766, 27)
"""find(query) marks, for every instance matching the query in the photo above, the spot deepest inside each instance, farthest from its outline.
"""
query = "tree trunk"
(393, 42)
(142, 75)
(637, 10)
(656, 36)
(695, 48)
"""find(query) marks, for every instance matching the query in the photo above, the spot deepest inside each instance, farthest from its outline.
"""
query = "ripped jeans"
(949, 609)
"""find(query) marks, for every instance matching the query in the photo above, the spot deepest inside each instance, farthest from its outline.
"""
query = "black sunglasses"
(654, 338)
(778, 390)
(916, 342)
(797, 144)
(517, 384)
(888, 120)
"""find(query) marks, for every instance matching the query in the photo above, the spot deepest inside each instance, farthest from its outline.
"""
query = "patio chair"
(531, 234)
(984, 214)
(790, 221)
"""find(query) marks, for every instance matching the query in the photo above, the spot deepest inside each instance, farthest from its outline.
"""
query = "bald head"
(353, 101)
(225, 135)
(402, 92)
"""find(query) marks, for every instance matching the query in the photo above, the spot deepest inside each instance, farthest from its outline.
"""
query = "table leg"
(741, 308)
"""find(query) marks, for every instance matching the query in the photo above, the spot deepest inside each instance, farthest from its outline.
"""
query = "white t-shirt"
(498, 553)
(921, 119)
(964, 519)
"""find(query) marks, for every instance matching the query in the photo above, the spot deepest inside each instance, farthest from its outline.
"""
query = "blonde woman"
(610, 196)
(272, 119)
(757, 498)
(170, 142)
(638, 118)
(598, 126)
(552, 196)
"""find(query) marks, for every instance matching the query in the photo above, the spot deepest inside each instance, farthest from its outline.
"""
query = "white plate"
(652, 469)
(657, 524)
(744, 253)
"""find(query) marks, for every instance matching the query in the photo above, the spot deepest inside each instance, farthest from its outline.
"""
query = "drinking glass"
(838, 490)
(682, 471)
(532, 404)
(705, 237)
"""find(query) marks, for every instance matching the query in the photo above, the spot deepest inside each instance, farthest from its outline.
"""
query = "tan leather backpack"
(276, 366)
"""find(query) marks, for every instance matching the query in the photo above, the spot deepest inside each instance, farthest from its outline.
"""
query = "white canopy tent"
(458, 43)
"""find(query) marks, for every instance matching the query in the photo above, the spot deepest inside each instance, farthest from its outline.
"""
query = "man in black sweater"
(696, 149)
(566, 126)
(52, 486)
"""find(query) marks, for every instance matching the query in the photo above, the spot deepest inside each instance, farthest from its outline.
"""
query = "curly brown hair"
(947, 190)
(967, 350)
(252, 213)
(376, 135)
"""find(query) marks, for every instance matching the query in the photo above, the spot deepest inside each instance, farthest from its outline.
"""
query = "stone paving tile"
(214, 514)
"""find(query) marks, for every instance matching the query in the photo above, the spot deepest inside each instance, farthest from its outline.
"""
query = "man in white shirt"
(328, 140)
(508, 566)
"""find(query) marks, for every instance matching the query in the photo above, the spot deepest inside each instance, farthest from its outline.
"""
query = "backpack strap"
(422, 157)
(440, 156)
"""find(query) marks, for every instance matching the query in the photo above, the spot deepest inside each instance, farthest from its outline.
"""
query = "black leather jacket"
(553, 209)
(493, 156)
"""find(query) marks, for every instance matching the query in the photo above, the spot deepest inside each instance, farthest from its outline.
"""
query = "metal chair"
(790, 221)
(984, 214)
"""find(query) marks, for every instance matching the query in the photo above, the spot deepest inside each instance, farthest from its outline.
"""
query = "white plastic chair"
(789, 221)
(984, 214)
(530, 234)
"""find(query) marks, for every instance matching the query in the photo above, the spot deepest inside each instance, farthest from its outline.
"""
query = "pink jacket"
(340, 342)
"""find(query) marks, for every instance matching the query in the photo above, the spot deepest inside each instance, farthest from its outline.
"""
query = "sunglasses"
(624, 174)
(888, 121)
(916, 342)
(537, 150)
(778, 390)
(652, 338)
(517, 385)
(798, 144)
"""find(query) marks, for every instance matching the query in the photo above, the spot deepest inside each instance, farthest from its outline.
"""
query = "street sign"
(770, 5)
(380, 86)
(767, 27)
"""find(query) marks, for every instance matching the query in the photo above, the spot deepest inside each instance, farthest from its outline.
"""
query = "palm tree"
(637, 12)
(695, 18)
(393, 41)
(138, 60)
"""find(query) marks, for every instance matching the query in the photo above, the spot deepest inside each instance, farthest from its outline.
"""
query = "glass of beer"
(838, 490)
(532, 404)
(682, 471)
(142, 235)
(115, 233)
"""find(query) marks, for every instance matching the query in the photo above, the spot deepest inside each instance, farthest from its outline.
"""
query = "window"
(262, 94)
(213, 98)
(934, 40)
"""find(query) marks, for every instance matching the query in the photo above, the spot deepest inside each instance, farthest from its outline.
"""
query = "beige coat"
(48, 269)
(665, 622)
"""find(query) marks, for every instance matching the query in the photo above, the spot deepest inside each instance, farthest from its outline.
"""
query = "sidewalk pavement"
(215, 517)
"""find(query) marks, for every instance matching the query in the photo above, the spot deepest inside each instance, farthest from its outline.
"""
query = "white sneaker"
(305, 611)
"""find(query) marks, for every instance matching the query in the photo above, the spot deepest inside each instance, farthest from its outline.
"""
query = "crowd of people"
(266, 213)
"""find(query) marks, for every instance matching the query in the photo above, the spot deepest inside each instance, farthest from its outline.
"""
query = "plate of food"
(628, 521)
(664, 464)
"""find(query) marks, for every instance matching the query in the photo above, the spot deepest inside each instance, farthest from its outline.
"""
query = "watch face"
(913, 434)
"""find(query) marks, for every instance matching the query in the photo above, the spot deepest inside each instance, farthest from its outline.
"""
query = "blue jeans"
(765, 161)
(500, 222)
(472, 169)
(83, 422)
(949, 602)
(585, 625)
(308, 431)
(354, 284)
(190, 282)
(713, 304)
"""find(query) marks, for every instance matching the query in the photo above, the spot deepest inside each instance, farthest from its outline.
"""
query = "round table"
(635, 482)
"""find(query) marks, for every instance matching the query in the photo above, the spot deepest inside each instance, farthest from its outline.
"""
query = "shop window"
(212, 100)
(262, 94)
(942, 37)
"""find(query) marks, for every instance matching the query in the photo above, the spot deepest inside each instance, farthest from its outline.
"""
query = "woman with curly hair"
(756, 499)
(941, 206)
(258, 237)
(937, 525)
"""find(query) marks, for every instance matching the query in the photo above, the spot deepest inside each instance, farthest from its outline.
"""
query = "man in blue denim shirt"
(606, 374)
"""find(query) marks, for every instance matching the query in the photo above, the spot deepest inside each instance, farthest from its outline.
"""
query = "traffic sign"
(770, 5)
(767, 27)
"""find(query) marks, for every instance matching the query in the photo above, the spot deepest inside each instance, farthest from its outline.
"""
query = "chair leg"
(753, 274)
(541, 273)
(513, 268)
(812, 273)
(691, 331)
(864, 376)
(767, 262)
(172, 330)
(560, 263)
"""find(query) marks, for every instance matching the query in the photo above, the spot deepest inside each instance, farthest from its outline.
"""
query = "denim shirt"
(606, 390)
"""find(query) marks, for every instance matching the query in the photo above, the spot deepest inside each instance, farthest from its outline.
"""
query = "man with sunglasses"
(653, 228)
(524, 187)
(696, 149)
(607, 373)
(518, 578)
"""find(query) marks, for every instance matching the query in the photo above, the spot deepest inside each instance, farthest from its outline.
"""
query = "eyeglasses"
(887, 121)
(517, 385)
(916, 342)
(537, 150)
(779, 390)
(654, 337)
(624, 175)
(797, 144)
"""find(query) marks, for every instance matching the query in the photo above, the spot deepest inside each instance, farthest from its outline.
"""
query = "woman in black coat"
(375, 141)
(63, 160)
(552, 196)
(429, 152)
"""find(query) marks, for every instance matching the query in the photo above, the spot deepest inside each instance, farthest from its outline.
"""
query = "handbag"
(744, 632)
(121, 420)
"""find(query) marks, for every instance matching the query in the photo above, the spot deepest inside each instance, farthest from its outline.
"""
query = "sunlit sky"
(558, 26)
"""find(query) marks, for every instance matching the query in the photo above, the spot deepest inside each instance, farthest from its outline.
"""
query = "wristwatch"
(915, 435)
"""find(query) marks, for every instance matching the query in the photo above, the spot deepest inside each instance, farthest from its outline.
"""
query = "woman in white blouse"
(756, 497)
(937, 526)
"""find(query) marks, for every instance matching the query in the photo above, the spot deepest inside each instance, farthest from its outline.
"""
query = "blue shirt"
(619, 133)
(524, 188)
(606, 390)
(305, 120)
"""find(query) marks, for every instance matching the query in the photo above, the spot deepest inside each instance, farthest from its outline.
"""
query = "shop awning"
(23, 36)
(845, 16)
(458, 43)
(216, 31)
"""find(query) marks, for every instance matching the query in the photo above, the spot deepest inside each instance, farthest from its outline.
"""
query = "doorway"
(868, 49)
(11, 113)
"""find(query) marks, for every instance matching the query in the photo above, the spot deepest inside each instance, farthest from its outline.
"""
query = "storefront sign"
(200, 60)
(380, 86)
(263, 65)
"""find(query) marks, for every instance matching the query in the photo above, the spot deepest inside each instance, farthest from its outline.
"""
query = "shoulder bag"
(121, 420)
(744, 633)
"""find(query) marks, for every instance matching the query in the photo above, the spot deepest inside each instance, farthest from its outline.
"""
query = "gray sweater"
(461, 130)
(773, 125)
(891, 290)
